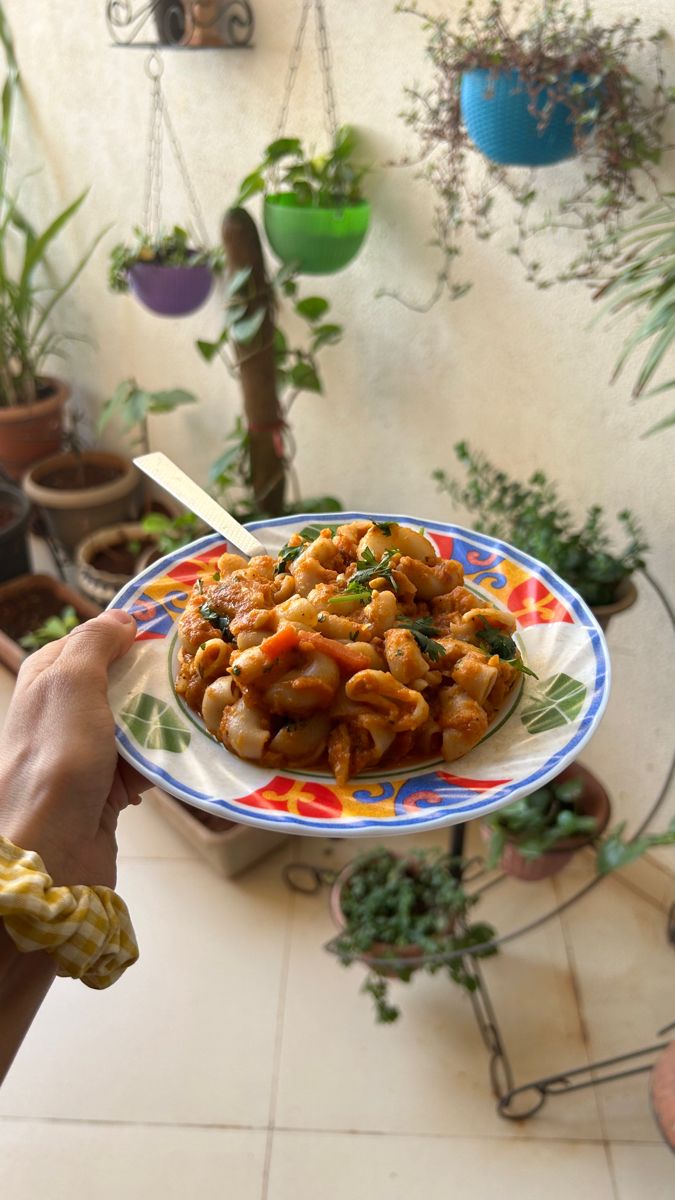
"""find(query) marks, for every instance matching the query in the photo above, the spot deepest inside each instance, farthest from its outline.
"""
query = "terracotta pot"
(42, 592)
(14, 517)
(662, 1093)
(29, 432)
(627, 594)
(411, 952)
(103, 585)
(204, 31)
(594, 802)
(74, 511)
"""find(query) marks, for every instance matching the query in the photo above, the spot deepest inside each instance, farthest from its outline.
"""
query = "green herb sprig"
(218, 620)
(424, 631)
(367, 569)
(504, 647)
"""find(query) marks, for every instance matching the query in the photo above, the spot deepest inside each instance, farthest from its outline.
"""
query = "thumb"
(96, 644)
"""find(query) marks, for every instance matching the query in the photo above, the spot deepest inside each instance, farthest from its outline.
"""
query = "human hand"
(62, 785)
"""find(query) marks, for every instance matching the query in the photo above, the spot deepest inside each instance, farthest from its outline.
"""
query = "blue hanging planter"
(495, 111)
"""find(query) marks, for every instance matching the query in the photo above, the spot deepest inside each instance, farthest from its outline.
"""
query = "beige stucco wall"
(517, 372)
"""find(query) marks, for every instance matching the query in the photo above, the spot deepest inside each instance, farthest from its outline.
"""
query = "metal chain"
(294, 63)
(187, 182)
(325, 63)
(153, 176)
(330, 110)
(160, 119)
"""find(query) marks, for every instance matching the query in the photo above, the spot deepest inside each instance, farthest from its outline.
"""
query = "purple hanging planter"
(171, 291)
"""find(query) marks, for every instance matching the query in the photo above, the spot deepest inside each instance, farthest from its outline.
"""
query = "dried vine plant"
(618, 117)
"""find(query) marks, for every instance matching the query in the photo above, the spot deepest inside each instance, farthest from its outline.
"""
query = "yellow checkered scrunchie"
(87, 930)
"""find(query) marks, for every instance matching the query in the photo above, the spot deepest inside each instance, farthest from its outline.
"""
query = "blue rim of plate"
(441, 803)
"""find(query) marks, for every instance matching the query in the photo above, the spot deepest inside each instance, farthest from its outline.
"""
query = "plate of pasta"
(367, 674)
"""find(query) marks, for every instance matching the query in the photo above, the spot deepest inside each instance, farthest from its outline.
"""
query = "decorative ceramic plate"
(544, 725)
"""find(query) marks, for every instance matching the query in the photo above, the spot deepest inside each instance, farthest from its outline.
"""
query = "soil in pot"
(14, 518)
(26, 603)
(80, 475)
(121, 558)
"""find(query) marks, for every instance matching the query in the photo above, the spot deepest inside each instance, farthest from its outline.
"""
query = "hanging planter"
(497, 111)
(315, 215)
(170, 276)
(317, 241)
(530, 87)
(166, 274)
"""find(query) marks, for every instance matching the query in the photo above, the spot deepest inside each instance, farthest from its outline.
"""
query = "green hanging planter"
(317, 241)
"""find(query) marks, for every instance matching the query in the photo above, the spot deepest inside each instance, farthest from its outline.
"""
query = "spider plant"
(644, 283)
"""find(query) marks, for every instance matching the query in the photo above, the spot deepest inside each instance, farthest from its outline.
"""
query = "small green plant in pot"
(315, 214)
(169, 275)
(392, 911)
(532, 517)
(537, 835)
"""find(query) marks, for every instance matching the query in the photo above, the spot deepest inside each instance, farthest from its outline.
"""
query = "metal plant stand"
(523, 1101)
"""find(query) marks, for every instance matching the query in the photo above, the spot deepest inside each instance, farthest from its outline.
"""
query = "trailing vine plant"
(618, 116)
(252, 336)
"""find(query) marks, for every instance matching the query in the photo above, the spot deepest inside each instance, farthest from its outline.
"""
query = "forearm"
(25, 980)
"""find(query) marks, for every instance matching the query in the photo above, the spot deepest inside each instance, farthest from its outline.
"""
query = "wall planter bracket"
(181, 24)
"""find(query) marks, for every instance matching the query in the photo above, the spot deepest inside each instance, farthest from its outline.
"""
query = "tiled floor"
(239, 1060)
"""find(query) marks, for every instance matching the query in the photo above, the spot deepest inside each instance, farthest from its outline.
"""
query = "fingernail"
(119, 614)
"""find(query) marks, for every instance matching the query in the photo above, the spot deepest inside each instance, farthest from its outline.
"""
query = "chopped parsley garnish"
(216, 576)
(358, 594)
(287, 555)
(384, 526)
(503, 646)
(424, 631)
(221, 623)
(367, 569)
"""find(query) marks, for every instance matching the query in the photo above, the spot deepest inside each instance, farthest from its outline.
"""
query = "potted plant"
(83, 490)
(110, 557)
(250, 477)
(391, 908)
(531, 86)
(31, 400)
(642, 281)
(532, 517)
(14, 517)
(538, 835)
(315, 215)
(167, 274)
(35, 609)
(132, 404)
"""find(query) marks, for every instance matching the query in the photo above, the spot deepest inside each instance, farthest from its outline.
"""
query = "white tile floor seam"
(278, 1043)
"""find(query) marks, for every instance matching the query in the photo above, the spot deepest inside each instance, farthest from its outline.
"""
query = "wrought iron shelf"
(181, 24)
(175, 46)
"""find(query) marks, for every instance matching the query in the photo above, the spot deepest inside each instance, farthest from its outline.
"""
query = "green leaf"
(282, 147)
(326, 335)
(558, 701)
(160, 402)
(155, 724)
(304, 377)
(245, 330)
(208, 350)
(238, 280)
(312, 307)
(249, 186)
(614, 852)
